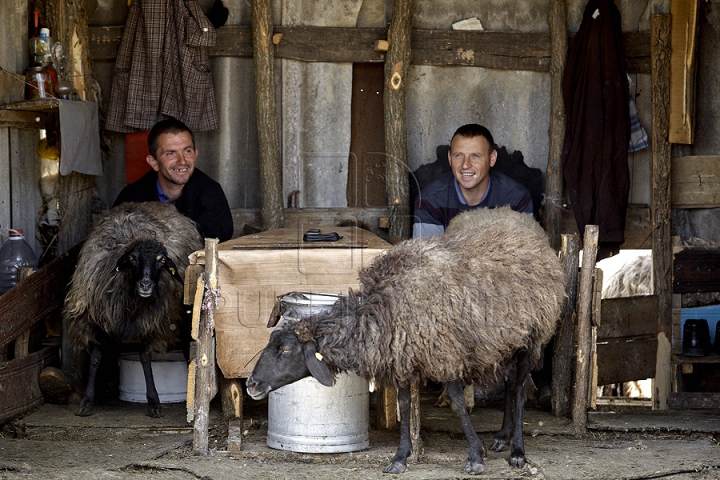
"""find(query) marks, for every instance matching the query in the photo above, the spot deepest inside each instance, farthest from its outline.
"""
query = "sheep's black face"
(282, 362)
(145, 259)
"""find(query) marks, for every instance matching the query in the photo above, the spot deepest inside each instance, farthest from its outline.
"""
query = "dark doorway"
(366, 166)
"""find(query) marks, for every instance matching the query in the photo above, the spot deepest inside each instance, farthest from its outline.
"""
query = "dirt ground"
(120, 442)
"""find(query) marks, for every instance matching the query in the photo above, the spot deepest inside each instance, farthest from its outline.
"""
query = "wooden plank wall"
(627, 343)
(502, 50)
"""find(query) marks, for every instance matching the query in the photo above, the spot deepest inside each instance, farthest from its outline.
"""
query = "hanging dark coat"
(595, 152)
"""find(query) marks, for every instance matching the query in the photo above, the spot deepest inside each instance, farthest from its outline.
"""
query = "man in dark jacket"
(175, 179)
(471, 184)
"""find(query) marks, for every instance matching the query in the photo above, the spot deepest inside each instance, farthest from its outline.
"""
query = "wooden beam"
(562, 366)
(267, 121)
(503, 50)
(332, 44)
(496, 49)
(584, 333)
(683, 66)
(660, 172)
(397, 63)
(554, 185)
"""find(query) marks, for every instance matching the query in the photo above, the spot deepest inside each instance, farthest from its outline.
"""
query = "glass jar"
(40, 82)
(37, 83)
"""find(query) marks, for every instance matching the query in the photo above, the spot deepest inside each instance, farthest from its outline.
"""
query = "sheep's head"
(145, 259)
(290, 355)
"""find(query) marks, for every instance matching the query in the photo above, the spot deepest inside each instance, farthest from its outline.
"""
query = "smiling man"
(175, 179)
(470, 184)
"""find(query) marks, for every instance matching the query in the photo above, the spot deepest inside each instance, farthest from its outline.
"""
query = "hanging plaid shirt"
(162, 68)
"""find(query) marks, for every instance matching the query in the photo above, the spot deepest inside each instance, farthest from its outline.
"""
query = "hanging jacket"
(595, 152)
(162, 68)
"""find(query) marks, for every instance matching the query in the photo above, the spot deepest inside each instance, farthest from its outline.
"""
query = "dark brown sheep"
(127, 287)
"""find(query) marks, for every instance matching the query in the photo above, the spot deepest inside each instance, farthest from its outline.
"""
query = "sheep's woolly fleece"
(100, 297)
(452, 306)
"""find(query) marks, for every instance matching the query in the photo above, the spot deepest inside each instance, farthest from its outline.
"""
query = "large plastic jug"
(15, 253)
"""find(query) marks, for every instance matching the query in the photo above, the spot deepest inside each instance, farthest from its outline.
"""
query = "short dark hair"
(474, 130)
(169, 125)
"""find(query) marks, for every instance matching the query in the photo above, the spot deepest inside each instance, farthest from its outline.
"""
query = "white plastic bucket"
(170, 372)
(309, 417)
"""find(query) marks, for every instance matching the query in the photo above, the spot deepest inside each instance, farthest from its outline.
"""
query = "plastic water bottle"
(16, 253)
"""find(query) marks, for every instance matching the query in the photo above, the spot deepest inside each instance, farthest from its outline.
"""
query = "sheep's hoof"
(499, 445)
(395, 467)
(85, 410)
(474, 468)
(155, 411)
(517, 460)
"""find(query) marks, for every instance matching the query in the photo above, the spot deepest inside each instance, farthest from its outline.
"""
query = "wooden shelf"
(28, 114)
(37, 105)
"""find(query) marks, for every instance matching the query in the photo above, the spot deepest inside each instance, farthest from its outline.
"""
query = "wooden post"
(558, 59)
(231, 395)
(386, 408)
(267, 122)
(582, 365)
(397, 61)
(562, 367)
(660, 207)
(204, 351)
(684, 26)
(595, 320)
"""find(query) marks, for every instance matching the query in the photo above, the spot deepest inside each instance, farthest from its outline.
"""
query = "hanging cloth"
(595, 152)
(162, 68)
(638, 135)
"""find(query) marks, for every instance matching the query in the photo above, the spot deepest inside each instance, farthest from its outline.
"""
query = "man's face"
(175, 157)
(470, 161)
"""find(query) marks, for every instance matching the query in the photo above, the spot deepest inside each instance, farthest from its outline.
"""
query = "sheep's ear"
(172, 268)
(318, 369)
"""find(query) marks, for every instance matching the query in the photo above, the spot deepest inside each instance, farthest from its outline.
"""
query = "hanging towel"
(79, 138)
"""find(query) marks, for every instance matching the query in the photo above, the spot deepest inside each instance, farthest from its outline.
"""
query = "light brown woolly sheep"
(127, 286)
(469, 306)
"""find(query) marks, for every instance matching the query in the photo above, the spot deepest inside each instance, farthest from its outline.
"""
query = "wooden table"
(255, 269)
